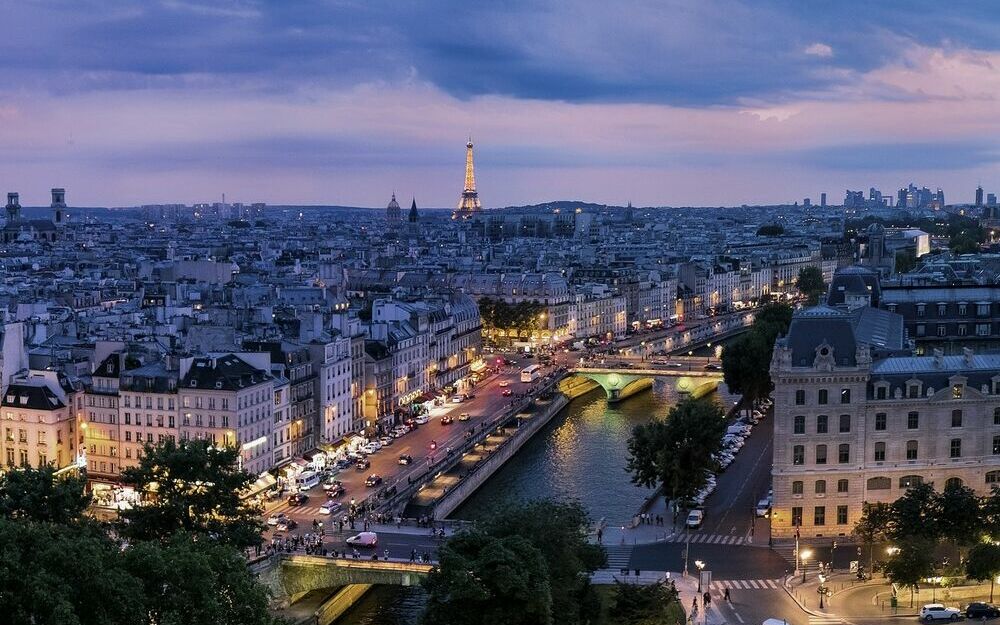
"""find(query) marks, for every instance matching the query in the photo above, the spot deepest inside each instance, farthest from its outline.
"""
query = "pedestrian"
(600, 535)
(386, 554)
(725, 596)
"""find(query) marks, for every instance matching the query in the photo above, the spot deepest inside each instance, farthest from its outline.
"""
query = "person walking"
(725, 596)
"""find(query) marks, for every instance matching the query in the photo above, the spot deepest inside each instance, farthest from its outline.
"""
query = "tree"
(677, 453)
(914, 515)
(906, 260)
(772, 320)
(913, 562)
(872, 526)
(41, 495)
(810, 283)
(982, 563)
(746, 363)
(638, 604)
(958, 515)
(484, 579)
(770, 230)
(192, 486)
(557, 529)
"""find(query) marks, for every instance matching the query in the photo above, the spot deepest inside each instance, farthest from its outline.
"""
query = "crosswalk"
(746, 584)
(708, 539)
(825, 620)
(618, 556)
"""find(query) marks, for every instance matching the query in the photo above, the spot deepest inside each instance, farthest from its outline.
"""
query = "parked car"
(405, 459)
(373, 480)
(330, 507)
(457, 399)
(286, 525)
(763, 507)
(331, 484)
(386, 441)
(938, 612)
(464, 416)
(297, 499)
(695, 518)
(362, 464)
(364, 539)
(336, 491)
(274, 519)
(422, 419)
(979, 610)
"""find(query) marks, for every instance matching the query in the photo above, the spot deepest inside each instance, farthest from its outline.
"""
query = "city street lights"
(805, 555)
(821, 590)
(700, 565)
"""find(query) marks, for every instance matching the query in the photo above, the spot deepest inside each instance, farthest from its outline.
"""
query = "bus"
(306, 480)
(532, 373)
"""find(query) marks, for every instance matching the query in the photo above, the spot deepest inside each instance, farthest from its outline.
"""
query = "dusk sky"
(703, 102)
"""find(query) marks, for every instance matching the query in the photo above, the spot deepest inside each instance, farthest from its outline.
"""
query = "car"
(673, 364)
(373, 480)
(405, 459)
(713, 367)
(297, 499)
(979, 610)
(457, 399)
(464, 416)
(447, 420)
(275, 519)
(763, 507)
(337, 491)
(507, 392)
(504, 384)
(330, 507)
(364, 539)
(286, 525)
(331, 484)
(695, 518)
(938, 612)
(363, 464)
(422, 419)
(368, 449)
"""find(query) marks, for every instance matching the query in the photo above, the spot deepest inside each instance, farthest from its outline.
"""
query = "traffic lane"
(756, 606)
(725, 561)
(730, 509)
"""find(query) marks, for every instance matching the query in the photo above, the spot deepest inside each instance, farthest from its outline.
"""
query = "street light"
(821, 590)
(805, 555)
(700, 565)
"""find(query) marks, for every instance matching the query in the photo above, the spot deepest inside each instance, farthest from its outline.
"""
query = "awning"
(264, 482)
(423, 398)
(477, 365)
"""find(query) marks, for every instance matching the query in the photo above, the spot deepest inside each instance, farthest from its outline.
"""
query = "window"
(820, 487)
(842, 486)
(941, 329)
(913, 391)
(963, 330)
(909, 481)
(913, 420)
(911, 450)
(820, 454)
(845, 423)
(841, 515)
(819, 515)
(982, 329)
(797, 487)
(983, 309)
(881, 392)
(921, 309)
(942, 309)
(822, 398)
(956, 418)
(953, 482)
(956, 391)
(880, 421)
(799, 425)
(822, 424)
(879, 452)
(881, 483)
(796, 516)
(993, 477)
(921, 329)
(996, 445)
(956, 448)
(963, 309)
(996, 416)
(798, 454)
(800, 397)
(843, 453)
(845, 395)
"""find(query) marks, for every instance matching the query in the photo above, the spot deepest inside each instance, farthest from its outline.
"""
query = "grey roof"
(842, 331)
(930, 364)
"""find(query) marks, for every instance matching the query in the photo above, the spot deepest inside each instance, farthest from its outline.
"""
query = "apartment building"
(858, 419)
(102, 435)
(148, 410)
(39, 421)
(331, 358)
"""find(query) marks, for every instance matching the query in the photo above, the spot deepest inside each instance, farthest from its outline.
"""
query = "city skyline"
(664, 104)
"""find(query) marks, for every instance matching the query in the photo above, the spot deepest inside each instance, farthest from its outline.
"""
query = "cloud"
(819, 49)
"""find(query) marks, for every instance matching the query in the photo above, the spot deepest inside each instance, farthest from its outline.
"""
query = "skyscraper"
(979, 196)
(469, 202)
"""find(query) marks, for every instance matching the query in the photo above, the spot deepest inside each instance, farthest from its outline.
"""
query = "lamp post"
(805, 555)
(821, 590)
(700, 565)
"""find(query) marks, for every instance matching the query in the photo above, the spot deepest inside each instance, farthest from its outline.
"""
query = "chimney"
(967, 354)
(938, 357)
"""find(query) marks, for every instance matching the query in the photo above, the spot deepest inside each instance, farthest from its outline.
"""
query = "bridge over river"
(620, 383)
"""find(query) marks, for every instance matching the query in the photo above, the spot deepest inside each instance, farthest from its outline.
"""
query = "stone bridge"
(622, 383)
(290, 577)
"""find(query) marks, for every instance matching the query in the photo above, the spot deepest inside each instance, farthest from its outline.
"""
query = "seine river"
(581, 454)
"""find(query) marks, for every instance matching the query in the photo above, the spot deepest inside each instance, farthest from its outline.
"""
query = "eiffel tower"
(469, 203)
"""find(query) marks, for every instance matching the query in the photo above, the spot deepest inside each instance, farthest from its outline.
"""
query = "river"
(581, 454)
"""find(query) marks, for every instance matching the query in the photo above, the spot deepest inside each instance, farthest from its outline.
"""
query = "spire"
(413, 212)
(469, 202)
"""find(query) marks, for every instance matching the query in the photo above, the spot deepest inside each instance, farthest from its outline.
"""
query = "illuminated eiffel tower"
(469, 203)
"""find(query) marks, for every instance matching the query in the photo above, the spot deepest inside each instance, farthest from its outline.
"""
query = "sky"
(657, 102)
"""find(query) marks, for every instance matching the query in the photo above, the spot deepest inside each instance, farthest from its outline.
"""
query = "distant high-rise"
(979, 196)
(822, 200)
(392, 213)
(469, 202)
(991, 199)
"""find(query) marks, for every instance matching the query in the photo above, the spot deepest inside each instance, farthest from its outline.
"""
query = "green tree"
(872, 526)
(810, 283)
(41, 495)
(982, 563)
(484, 579)
(746, 365)
(906, 260)
(639, 604)
(190, 580)
(191, 486)
(677, 453)
(913, 562)
(989, 514)
(770, 230)
(772, 320)
(914, 515)
(557, 529)
(958, 515)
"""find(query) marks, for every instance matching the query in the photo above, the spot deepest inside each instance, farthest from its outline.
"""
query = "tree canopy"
(810, 283)
(40, 495)
(191, 486)
(770, 230)
(746, 362)
(676, 453)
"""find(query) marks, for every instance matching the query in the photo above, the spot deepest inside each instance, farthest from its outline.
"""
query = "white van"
(307, 480)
